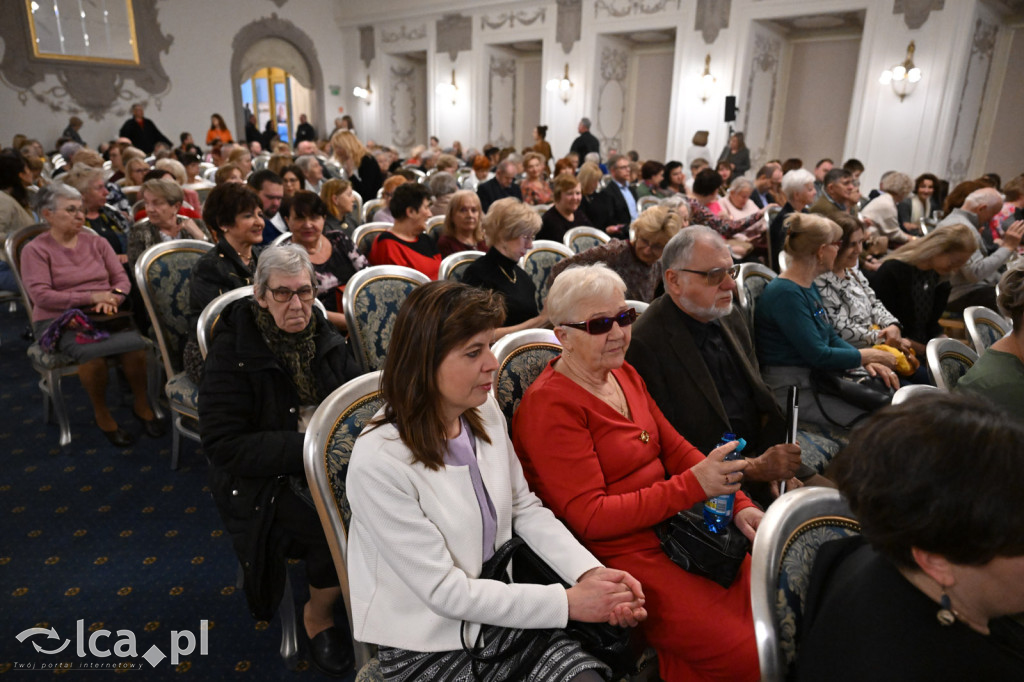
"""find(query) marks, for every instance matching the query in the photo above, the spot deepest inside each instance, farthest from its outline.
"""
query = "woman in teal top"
(793, 331)
(999, 372)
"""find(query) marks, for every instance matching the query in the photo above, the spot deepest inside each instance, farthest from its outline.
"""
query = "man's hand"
(777, 463)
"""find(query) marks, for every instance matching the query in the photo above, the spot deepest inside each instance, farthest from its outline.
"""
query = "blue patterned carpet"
(117, 540)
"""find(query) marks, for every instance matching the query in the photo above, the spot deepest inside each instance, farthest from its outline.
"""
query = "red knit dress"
(593, 468)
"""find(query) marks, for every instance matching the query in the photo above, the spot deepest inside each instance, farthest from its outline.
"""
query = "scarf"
(295, 352)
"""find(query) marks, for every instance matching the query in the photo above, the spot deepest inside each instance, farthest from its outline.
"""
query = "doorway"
(277, 98)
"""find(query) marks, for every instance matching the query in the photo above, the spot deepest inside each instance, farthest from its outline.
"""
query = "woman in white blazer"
(435, 488)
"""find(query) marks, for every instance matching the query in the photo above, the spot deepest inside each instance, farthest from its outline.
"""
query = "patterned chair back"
(284, 238)
(582, 238)
(371, 301)
(435, 227)
(538, 263)
(787, 542)
(327, 450)
(948, 360)
(985, 326)
(364, 235)
(163, 274)
(644, 203)
(369, 208)
(521, 356)
(454, 266)
(753, 278)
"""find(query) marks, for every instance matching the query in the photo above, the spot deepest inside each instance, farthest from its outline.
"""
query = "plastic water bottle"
(718, 510)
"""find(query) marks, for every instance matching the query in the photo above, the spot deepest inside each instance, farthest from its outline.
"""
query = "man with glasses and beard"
(695, 352)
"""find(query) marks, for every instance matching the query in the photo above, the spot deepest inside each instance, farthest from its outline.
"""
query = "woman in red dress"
(598, 451)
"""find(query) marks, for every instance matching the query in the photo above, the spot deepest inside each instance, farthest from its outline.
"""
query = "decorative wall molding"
(274, 27)
(611, 97)
(915, 12)
(712, 16)
(279, 3)
(92, 88)
(979, 66)
(568, 23)
(623, 8)
(524, 17)
(454, 34)
(415, 33)
(765, 64)
(367, 45)
(402, 102)
(501, 81)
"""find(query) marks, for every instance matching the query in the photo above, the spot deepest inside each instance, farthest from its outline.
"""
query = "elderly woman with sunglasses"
(638, 260)
(597, 450)
(272, 361)
(794, 331)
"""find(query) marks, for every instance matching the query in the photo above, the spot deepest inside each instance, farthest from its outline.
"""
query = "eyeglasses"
(647, 244)
(73, 210)
(284, 294)
(715, 276)
(603, 325)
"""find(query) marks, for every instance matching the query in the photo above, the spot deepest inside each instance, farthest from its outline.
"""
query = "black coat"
(584, 144)
(248, 422)
(491, 191)
(616, 203)
(144, 136)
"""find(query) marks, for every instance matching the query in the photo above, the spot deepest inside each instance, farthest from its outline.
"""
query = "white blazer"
(415, 544)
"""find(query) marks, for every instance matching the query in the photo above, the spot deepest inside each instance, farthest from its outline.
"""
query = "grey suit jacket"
(664, 353)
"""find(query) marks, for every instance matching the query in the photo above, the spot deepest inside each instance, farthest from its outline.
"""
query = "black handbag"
(690, 545)
(607, 643)
(858, 389)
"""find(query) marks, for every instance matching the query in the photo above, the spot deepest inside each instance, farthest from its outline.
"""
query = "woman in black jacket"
(271, 363)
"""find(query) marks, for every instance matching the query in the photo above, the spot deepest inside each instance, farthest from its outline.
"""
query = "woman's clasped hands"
(607, 595)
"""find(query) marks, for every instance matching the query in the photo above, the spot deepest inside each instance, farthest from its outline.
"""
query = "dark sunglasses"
(603, 325)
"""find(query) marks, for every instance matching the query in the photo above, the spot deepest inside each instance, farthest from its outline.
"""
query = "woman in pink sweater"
(67, 268)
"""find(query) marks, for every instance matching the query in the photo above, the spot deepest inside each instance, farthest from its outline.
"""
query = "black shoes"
(154, 428)
(331, 654)
(119, 438)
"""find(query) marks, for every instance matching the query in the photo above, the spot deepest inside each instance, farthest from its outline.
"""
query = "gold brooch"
(644, 437)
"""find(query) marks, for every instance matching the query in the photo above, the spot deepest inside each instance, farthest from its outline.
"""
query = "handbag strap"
(821, 408)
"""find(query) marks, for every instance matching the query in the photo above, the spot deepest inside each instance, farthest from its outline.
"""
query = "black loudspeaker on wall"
(730, 108)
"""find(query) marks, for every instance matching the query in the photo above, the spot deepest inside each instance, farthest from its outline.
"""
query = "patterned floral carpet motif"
(117, 541)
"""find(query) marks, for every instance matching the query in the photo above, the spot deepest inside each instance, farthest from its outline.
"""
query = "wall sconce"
(364, 93)
(706, 79)
(563, 86)
(903, 77)
(447, 90)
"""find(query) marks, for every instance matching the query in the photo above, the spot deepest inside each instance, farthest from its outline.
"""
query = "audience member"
(418, 474)
(305, 130)
(509, 229)
(535, 188)
(821, 169)
(292, 179)
(839, 194)
(882, 211)
(597, 451)
(501, 186)
(442, 186)
(106, 221)
(14, 208)
(565, 213)
(674, 181)
(361, 169)
(924, 590)
(620, 197)
(406, 243)
(463, 225)
(163, 199)
(338, 196)
(142, 132)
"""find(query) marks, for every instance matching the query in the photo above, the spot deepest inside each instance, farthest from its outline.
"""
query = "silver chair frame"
(575, 232)
(450, 263)
(978, 316)
(938, 349)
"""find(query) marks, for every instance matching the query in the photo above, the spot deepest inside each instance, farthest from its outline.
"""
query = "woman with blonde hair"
(793, 331)
(509, 229)
(912, 281)
(593, 203)
(361, 169)
(463, 225)
(338, 196)
(535, 188)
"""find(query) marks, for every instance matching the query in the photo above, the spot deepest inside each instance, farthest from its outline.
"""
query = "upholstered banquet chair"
(163, 274)
(985, 326)
(521, 357)
(331, 433)
(371, 300)
(364, 235)
(948, 360)
(538, 262)
(582, 238)
(750, 284)
(792, 531)
(454, 266)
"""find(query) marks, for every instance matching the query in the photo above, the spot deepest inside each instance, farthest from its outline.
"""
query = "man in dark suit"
(620, 198)
(142, 132)
(764, 183)
(305, 131)
(696, 355)
(585, 143)
(501, 186)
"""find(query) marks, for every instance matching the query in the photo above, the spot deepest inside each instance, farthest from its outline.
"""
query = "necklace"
(614, 397)
(319, 243)
(513, 277)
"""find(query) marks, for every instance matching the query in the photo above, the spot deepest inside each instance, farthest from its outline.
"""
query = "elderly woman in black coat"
(273, 360)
